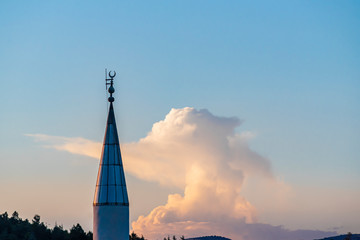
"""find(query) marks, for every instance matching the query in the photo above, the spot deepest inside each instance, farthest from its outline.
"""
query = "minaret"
(111, 204)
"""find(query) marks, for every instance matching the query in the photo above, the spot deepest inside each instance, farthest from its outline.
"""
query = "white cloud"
(203, 155)
(77, 145)
(188, 139)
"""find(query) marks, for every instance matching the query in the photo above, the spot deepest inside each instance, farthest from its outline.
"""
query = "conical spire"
(110, 184)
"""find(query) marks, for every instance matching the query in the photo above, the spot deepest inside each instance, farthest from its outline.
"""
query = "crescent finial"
(112, 75)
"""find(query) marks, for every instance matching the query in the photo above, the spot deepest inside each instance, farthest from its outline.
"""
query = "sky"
(235, 118)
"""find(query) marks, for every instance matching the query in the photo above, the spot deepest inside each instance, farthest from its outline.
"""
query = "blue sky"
(288, 69)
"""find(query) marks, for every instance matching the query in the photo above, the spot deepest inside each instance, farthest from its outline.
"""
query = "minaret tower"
(111, 203)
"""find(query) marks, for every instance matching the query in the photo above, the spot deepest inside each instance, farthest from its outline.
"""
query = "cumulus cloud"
(203, 155)
(189, 144)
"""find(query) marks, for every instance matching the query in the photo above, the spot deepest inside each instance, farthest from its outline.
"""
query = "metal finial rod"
(110, 81)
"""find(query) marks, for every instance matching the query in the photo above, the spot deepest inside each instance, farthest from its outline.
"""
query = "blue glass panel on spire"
(110, 184)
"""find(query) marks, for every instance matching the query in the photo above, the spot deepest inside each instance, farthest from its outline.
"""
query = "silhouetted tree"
(15, 216)
(134, 236)
(41, 232)
(77, 233)
(36, 219)
(89, 235)
(58, 233)
(348, 236)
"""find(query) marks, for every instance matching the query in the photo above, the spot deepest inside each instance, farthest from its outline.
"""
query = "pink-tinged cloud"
(190, 142)
(203, 155)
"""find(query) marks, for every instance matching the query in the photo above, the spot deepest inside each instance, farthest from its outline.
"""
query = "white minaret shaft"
(111, 204)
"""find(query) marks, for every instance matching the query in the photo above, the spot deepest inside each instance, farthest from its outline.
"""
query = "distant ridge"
(343, 237)
(210, 238)
(340, 237)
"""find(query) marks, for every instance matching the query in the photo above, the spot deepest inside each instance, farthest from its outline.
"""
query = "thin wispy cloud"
(78, 145)
(203, 155)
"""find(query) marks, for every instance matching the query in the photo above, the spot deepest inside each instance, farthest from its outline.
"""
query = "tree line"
(14, 228)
